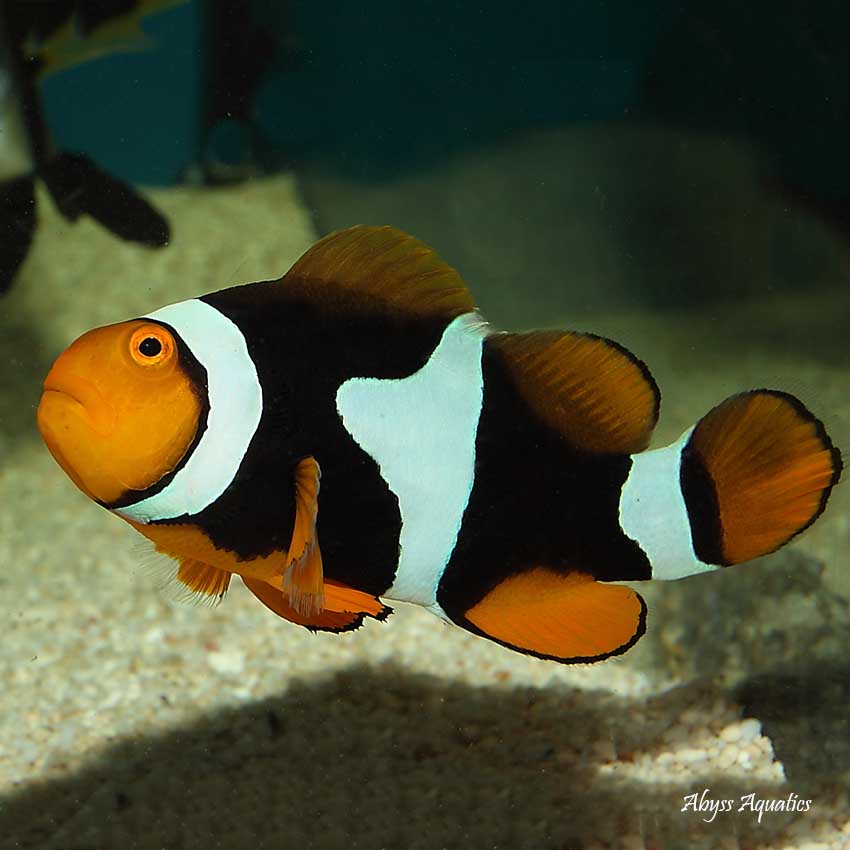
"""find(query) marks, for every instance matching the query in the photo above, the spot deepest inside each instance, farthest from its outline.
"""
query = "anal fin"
(566, 617)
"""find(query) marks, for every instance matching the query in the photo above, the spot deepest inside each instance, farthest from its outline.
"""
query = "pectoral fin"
(567, 617)
(303, 575)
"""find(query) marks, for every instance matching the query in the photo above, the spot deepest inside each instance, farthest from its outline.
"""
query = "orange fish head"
(119, 408)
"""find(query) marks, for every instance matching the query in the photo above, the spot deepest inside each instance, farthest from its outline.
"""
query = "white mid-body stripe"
(653, 512)
(421, 432)
(235, 406)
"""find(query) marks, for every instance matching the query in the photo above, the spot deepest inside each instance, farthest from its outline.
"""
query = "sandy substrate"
(130, 721)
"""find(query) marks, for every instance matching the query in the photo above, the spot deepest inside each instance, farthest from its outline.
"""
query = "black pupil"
(150, 346)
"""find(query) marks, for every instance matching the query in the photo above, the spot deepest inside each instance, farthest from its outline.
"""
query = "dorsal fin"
(598, 395)
(385, 269)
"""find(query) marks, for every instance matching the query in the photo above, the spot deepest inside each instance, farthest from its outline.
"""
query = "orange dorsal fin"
(327, 620)
(567, 617)
(202, 580)
(598, 395)
(382, 268)
(763, 466)
(303, 577)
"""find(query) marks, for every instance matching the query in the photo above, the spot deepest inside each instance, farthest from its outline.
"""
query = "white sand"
(131, 722)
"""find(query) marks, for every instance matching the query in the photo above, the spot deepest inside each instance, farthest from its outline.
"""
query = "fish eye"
(151, 345)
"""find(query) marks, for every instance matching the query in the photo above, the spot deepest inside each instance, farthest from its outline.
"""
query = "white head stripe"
(654, 514)
(235, 406)
(421, 432)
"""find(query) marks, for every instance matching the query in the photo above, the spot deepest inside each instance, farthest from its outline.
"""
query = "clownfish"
(355, 432)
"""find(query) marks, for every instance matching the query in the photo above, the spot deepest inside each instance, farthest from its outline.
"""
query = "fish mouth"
(52, 392)
(85, 396)
(79, 389)
(75, 423)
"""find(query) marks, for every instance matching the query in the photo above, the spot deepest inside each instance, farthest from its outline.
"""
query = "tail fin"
(757, 470)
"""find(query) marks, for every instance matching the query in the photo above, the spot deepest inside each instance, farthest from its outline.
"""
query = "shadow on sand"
(379, 758)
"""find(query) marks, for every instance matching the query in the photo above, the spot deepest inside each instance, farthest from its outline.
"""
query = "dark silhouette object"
(76, 184)
(242, 49)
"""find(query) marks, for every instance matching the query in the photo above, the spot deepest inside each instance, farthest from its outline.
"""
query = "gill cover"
(121, 407)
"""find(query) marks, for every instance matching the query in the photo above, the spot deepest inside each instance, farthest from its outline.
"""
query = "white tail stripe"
(654, 514)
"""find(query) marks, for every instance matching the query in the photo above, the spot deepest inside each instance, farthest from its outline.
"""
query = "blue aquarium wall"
(138, 114)
(375, 86)
(382, 87)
